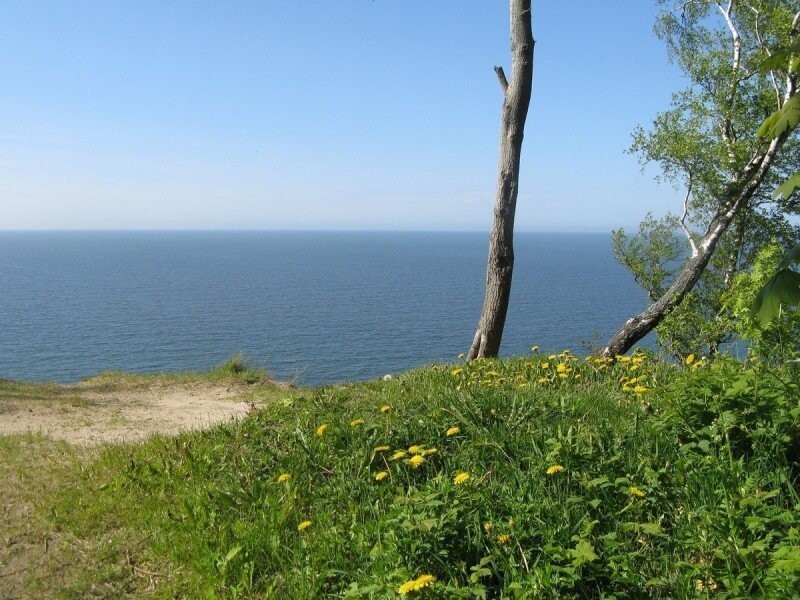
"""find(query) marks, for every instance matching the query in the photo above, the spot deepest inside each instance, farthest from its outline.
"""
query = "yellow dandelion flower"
(503, 538)
(624, 359)
(640, 389)
(689, 360)
(543, 381)
(356, 422)
(304, 525)
(487, 527)
(563, 376)
(284, 477)
(561, 367)
(634, 491)
(552, 357)
(414, 585)
(429, 451)
(545, 365)
(555, 469)
(456, 372)
(461, 477)
(382, 448)
(321, 429)
(399, 454)
(385, 408)
(452, 431)
(381, 475)
(416, 460)
(415, 449)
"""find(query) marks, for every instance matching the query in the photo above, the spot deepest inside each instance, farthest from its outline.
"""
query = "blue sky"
(337, 114)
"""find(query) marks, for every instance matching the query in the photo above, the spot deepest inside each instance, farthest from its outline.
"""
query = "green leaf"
(787, 187)
(782, 59)
(783, 119)
(790, 258)
(786, 559)
(598, 482)
(232, 553)
(783, 288)
(582, 553)
(650, 528)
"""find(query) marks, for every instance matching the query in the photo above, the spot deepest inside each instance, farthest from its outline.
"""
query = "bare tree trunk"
(740, 191)
(517, 96)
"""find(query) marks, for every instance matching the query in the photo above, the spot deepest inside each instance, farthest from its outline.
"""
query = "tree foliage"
(708, 144)
(783, 288)
(774, 327)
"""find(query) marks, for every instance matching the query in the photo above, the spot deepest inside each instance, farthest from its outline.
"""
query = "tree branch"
(791, 79)
(682, 221)
(501, 76)
(727, 126)
(764, 47)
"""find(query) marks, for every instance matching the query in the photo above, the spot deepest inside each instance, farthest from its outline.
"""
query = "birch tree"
(516, 99)
(708, 143)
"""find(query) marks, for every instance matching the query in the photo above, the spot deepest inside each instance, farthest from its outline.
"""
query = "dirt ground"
(91, 413)
(37, 560)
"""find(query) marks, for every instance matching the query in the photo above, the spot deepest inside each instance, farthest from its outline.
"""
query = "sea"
(314, 307)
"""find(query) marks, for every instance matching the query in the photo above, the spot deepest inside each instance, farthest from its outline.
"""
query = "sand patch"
(95, 412)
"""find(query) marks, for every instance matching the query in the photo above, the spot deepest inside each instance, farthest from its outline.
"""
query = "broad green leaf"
(791, 257)
(768, 125)
(784, 119)
(783, 288)
(650, 528)
(782, 59)
(787, 187)
(582, 553)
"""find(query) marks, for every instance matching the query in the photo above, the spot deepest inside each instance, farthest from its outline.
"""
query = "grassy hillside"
(537, 477)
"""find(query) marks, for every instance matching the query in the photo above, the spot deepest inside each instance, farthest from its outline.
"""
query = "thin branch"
(766, 49)
(727, 127)
(501, 76)
(790, 77)
(682, 221)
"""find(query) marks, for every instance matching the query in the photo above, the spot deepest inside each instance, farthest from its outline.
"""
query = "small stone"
(387, 377)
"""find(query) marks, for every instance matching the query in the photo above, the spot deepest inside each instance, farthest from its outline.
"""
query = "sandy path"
(89, 415)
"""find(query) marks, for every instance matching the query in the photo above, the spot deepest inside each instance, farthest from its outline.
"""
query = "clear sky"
(327, 114)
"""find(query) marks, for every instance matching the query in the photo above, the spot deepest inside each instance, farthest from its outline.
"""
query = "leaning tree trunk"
(741, 187)
(740, 191)
(517, 97)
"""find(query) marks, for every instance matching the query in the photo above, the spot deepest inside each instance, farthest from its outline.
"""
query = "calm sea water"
(331, 306)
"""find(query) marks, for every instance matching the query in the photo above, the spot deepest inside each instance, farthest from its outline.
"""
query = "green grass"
(586, 480)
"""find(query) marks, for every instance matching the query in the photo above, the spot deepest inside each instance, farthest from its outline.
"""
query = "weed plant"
(535, 477)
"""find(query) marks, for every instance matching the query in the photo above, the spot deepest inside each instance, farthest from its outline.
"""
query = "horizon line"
(265, 230)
